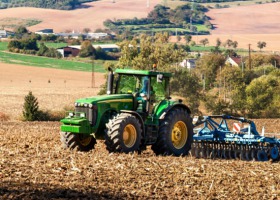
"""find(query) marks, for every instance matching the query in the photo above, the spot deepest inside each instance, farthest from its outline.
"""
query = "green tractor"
(136, 112)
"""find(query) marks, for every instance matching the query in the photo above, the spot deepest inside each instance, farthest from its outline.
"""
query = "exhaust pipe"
(110, 81)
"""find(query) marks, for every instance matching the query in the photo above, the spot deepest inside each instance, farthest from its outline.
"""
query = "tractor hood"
(106, 99)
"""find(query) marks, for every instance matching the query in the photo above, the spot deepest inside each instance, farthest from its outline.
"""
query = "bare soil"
(91, 15)
(33, 165)
(250, 19)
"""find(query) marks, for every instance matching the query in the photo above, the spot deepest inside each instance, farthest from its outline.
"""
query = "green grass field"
(39, 61)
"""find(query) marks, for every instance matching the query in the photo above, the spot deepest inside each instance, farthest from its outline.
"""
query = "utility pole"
(92, 74)
(220, 84)
(249, 56)
(191, 16)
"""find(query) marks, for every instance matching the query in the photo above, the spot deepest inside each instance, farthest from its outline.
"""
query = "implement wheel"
(274, 153)
(175, 134)
(78, 141)
(124, 134)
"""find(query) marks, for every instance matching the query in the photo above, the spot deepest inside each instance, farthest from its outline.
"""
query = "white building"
(3, 34)
(188, 63)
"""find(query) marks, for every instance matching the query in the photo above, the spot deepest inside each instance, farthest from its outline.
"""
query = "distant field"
(91, 17)
(251, 19)
(40, 61)
(11, 22)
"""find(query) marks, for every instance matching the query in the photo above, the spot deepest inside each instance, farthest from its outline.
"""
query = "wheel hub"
(84, 140)
(129, 135)
(179, 134)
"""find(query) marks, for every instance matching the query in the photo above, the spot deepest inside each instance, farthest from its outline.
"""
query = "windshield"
(129, 84)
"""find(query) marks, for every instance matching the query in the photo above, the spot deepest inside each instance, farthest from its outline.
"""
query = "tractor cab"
(147, 87)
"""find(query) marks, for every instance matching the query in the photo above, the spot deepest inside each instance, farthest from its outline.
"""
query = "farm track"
(33, 165)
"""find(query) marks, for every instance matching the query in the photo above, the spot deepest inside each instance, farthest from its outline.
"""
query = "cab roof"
(142, 72)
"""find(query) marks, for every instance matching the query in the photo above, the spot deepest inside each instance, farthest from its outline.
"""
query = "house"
(104, 47)
(45, 32)
(188, 63)
(234, 61)
(3, 34)
(96, 35)
(69, 35)
(68, 51)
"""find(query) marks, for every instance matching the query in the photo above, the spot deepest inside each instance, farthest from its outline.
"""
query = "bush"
(30, 107)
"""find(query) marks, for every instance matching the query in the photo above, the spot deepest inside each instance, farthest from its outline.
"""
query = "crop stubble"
(33, 165)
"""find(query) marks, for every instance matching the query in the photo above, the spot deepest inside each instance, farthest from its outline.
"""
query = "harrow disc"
(248, 155)
(261, 155)
(274, 153)
(243, 155)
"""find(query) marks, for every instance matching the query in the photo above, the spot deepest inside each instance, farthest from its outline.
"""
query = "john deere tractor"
(136, 112)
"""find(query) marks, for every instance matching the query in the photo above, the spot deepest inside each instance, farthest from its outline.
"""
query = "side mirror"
(159, 78)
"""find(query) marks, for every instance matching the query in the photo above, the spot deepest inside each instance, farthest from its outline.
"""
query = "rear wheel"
(81, 142)
(175, 134)
(124, 134)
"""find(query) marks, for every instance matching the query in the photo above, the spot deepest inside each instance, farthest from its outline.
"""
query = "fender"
(179, 105)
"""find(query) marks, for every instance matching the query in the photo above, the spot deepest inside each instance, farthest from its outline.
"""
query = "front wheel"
(124, 134)
(175, 134)
(81, 142)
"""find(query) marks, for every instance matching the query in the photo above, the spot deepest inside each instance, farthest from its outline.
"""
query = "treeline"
(53, 4)
(30, 46)
(162, 17)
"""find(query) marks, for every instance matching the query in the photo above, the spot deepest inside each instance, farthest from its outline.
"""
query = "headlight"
(90, 105)
(85, 104)
(76, 104)
(71, 114)
(83, 115)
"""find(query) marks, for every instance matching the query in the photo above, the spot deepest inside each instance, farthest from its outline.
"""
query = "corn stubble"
(33, 165)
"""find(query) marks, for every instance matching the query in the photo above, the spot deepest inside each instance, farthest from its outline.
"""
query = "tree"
(204, 41)
(188, 38)
(87, 49)
(234, 44)
(228, 43)
(86, 30)
(42, 50)
(179, 38)
(208, 66)
(152, 51)
(263, 97)
(20, 31)
(261, 45)
(187, 85)
(30, 107)
(218, 42)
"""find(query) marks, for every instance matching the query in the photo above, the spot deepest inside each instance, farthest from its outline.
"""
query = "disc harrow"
(213, 139)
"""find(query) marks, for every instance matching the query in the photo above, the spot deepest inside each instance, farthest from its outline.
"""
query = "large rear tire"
(124, 134)
(80, 142)
(175, 134)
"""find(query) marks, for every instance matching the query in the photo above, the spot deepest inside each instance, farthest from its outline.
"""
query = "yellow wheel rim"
(85, 139)
(129, 135)
(179, 134)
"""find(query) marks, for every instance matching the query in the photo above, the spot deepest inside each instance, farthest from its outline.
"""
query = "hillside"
(62, 4)
(251, 19)
(92, 16)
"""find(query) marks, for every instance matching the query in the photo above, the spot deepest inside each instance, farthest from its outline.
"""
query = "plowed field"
(33, 165)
